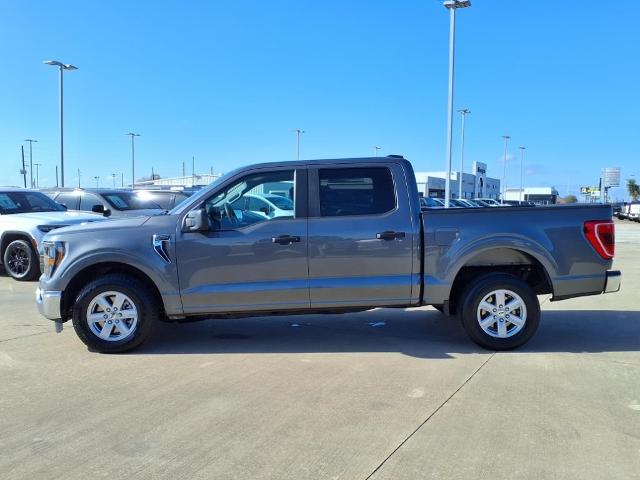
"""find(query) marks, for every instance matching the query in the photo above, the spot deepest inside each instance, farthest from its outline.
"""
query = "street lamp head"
(464, 111)
(133, 134)
(30, 140)
(64, 66)
(506, 137)
(521, 148)
(454, 4)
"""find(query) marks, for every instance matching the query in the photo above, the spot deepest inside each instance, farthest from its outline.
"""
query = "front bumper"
(612, 281)
(49, 303)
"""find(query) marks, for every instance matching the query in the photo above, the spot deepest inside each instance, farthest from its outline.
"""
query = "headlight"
(53, 255)
(48, 228)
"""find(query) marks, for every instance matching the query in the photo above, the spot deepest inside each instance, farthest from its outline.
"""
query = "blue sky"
(229, 81)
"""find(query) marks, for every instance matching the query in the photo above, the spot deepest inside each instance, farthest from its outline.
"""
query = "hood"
(54, 218)
(111, 225)
(143, 212)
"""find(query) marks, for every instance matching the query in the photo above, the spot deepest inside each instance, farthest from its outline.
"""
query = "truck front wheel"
(114, 313)
(499, 311)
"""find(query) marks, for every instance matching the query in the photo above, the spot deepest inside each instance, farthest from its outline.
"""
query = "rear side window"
(356, 191)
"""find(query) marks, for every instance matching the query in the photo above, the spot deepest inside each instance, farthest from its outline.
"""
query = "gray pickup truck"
(350, 236)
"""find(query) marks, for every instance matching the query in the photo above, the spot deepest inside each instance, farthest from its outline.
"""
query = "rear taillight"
(602, 236)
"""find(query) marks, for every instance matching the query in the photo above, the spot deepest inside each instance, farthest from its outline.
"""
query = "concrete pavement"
(385, 394)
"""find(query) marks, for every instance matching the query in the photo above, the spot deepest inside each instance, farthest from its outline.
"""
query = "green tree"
(569, 199)
(633, 188)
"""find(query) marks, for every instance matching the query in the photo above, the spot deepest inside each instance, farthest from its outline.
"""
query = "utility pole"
(23, 172)
(452, 6)
(504, 168)
(79, 175)
(133, 159)
(298, 133)
(56, 175)
(522, 149)
(464, 112)
(122, 179)
(184, 171)
(193, 171)
(37, 165)
(30, 140)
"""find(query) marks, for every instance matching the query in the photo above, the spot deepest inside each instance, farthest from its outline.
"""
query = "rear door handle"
(389, 235)
(285, 239)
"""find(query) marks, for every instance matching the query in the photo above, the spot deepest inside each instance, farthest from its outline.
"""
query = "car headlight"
(48, 228)
(53, 254)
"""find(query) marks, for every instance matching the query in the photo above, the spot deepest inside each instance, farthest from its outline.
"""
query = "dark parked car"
(108, 202)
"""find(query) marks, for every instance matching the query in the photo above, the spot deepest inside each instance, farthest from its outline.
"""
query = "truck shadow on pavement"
(417, 333)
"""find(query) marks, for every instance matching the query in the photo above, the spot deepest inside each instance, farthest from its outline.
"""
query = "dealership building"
(474, 185)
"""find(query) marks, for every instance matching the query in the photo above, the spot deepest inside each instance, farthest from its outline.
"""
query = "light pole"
(504, 168)
(464, 112)
(62, 67)
(452, 6)
(79, 177)
(113, 177)
(37, 165)
(133, 159)
(97, 178)
(522, 149)
(30, 140)
(376, 150)
(298, 133)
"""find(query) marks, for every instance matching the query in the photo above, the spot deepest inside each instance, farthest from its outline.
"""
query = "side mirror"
(265, 210)
(98, 209)
(196, 221)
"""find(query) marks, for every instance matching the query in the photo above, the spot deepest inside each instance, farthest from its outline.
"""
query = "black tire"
(21, 261)
(140, 295)
(478, 290)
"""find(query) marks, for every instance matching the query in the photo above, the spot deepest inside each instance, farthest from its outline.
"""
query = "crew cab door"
(247, 261)
(361, 240)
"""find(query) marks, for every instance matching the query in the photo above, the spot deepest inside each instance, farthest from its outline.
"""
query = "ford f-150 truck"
(356, 239)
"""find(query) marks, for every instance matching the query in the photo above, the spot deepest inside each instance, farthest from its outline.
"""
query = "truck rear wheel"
(114, 313)
(21, 261)
(499, 311)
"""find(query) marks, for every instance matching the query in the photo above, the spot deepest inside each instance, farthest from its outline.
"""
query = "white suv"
(25, 217)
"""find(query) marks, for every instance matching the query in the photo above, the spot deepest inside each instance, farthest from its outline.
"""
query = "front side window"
(27, 202)
(129, 201)
(88, 201)
(356, 191)
(243, 202)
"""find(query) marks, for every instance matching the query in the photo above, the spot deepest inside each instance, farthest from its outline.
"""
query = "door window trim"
(300, 189)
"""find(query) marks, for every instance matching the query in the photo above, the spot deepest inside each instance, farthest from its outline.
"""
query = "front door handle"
(389, 235)
(285, 239)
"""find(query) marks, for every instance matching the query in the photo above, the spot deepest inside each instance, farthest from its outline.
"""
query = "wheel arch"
(508, 260)
(10, 235)
(85, 275)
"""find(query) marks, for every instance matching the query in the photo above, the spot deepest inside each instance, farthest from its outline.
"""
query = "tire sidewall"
(140, 298)
(34, 267)
(478, 290)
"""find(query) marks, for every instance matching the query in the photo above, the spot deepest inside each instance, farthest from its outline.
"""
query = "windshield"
(281, 202)
(27, 202)
(129, 201)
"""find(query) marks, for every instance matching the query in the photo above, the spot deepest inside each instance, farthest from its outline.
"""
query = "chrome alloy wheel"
(502, 313)
(112, 316)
